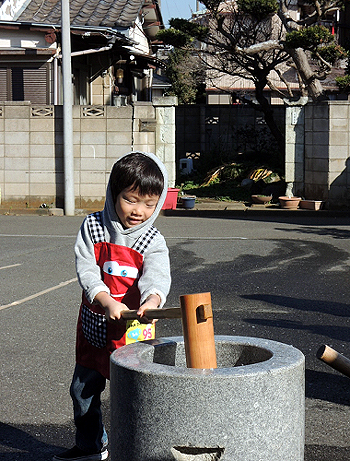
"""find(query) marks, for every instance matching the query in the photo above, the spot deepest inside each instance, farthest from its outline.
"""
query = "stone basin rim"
(137, 357)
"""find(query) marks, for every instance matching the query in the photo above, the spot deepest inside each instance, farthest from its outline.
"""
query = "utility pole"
(68, 154)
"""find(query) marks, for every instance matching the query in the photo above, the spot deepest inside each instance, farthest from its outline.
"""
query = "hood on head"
(109, 208)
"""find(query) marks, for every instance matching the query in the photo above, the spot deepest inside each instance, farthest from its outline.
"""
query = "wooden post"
(198, 330)
(334, 359)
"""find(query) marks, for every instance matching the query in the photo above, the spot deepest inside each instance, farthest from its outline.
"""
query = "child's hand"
(152, 302)
(113, 311)
(111, 307)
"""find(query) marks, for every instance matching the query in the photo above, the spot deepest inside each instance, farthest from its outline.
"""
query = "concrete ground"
(203, 207)
(35, 407)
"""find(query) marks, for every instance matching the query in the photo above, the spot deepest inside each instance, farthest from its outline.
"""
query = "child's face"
(133, 208)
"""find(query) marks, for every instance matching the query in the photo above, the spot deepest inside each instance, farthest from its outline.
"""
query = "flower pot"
(311, 204)
(171, 199)
(188, 202)
(261, 198)
(290, 203)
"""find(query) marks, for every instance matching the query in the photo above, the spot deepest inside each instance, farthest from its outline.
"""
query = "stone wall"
(317, 152)
(327, 150)
(31, 148)
(317, 143)
(214, 129)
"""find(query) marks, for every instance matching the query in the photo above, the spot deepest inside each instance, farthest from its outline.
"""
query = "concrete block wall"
(327, 150)
(28, 163)
(316, 152)
(165, 138)
(218, 129)
(31, 148)
(103, 134)
(154, 131)
(144, 127)
(339, 153)
(101, 90)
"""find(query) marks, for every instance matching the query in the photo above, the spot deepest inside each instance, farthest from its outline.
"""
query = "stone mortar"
(250, 408)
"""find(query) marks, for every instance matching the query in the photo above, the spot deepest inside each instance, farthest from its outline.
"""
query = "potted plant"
(261, 198)
(290, 203)
(188, 201)
(311, 204)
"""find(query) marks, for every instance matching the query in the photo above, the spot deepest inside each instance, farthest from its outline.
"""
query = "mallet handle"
(168, 313)
(334, 359)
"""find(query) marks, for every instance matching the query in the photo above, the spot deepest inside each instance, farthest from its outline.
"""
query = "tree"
(260, 40)
(186, 74)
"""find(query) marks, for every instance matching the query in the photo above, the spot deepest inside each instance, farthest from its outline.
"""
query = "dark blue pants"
(85, 390)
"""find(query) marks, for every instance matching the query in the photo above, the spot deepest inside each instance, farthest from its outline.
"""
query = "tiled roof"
(94, 13)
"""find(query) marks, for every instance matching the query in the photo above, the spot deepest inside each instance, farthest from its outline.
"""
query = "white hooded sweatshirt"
(155, 277)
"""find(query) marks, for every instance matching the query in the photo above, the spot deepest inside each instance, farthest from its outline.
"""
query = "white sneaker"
(75, 454)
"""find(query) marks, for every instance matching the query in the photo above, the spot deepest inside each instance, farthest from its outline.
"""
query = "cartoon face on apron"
(120, 269)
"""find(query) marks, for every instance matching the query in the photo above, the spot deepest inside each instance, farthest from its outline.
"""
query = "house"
(222, 88)
(113, 61)
(113, 50)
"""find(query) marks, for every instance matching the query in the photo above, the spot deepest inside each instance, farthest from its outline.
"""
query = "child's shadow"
(33, 443)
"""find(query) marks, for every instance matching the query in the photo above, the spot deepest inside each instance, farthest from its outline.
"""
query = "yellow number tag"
(136, 331)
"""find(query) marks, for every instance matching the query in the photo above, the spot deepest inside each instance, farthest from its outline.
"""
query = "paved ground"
(242, 259)
(203, 207)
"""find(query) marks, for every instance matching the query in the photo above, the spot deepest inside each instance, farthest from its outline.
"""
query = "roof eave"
(74, 29)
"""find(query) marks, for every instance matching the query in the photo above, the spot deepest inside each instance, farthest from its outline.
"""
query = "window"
(27, 82)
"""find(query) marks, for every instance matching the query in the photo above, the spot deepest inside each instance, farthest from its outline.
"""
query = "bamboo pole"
(334, 359)
(198, 330)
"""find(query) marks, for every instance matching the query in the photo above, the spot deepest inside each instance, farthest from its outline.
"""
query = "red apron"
(120, 269)
(97, 338)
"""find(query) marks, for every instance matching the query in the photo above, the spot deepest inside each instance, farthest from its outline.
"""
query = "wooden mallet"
(168, 313)
(334, 359)
(197, 325)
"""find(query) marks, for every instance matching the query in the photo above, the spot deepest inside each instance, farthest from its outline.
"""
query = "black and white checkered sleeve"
(145, 239)
(94, 221)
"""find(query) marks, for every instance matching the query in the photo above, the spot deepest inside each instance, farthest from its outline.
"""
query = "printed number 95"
(147, 333)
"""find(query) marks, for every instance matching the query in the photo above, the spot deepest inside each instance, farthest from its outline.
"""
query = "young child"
(122, 262)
